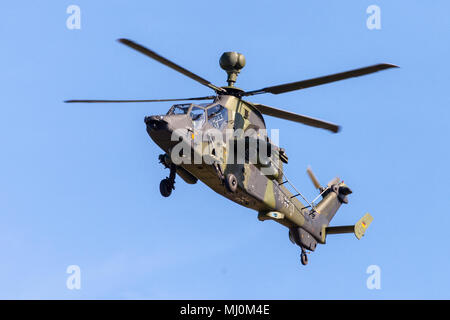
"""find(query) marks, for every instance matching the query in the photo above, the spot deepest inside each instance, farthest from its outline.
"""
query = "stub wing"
(358, 229)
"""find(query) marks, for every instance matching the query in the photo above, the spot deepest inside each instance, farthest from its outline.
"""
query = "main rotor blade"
(170, 64)
(131, 101)
(321, 80)
(278, 113)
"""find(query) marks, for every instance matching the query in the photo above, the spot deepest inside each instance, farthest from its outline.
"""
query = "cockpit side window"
(179, 109)
(198, 117)
(217, 116)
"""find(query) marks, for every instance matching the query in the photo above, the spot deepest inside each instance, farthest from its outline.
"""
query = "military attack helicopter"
(261, 184)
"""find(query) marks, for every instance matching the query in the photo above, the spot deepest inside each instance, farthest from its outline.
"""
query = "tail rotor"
(316, 183)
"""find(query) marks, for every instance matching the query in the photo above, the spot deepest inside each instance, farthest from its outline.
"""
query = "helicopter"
(246, 166)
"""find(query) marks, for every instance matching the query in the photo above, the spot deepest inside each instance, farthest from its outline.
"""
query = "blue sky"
(79, 184)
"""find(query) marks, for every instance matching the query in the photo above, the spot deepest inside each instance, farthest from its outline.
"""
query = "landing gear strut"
(168, 184)
(304, 257)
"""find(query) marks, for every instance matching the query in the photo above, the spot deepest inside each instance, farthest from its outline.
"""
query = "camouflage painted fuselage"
(267, 194)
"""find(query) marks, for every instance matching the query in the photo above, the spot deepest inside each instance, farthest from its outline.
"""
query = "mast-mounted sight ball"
(232, 61)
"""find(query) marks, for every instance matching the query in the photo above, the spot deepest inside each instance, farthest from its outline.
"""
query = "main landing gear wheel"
(168, 184)
(304, 258)
(231, 182)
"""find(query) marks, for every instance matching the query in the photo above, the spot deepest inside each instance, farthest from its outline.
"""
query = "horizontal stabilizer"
(358, 229)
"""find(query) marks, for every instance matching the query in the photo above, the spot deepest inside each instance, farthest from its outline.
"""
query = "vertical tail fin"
(333, 197)
(334, 194)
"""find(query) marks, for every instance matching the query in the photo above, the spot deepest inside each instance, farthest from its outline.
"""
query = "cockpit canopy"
(179, 109)
(215, 113)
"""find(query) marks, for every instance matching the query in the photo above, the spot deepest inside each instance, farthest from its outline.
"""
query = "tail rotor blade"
(313, 178)
(334, 181)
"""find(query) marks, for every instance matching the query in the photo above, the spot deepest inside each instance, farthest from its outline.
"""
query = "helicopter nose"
(155, 123)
